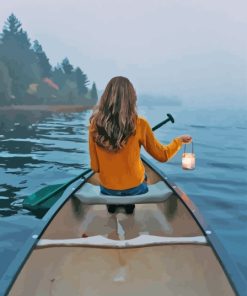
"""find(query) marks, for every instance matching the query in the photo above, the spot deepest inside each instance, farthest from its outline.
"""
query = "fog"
(194, 50)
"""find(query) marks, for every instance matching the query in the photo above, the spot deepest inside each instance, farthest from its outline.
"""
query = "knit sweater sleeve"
(159, 151)
(94, 163)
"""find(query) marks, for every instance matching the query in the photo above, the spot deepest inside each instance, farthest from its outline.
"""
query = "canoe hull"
(176, 269)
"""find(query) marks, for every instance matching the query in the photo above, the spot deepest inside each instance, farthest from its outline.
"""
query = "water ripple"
(50, 149)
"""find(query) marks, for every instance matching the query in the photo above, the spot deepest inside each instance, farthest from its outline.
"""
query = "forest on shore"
(28, 78)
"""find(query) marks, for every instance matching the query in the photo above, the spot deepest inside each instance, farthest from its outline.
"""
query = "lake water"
(42, 149)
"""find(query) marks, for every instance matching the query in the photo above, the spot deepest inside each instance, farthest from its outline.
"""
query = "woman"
(116, 134)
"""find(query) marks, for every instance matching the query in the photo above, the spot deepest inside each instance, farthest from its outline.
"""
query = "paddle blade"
(40, 196)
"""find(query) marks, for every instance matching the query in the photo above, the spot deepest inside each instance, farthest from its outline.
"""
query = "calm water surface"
(43, 149)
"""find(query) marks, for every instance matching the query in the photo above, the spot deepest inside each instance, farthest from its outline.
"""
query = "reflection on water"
(38, 148)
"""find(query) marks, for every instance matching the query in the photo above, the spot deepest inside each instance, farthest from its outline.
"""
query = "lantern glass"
(188, 159)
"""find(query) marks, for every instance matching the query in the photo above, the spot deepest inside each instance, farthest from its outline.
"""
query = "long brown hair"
(114, 117)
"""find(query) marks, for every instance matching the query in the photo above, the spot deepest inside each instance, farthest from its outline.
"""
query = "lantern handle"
(192, 147)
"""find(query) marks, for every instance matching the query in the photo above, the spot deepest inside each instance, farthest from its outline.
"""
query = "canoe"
(164, 248)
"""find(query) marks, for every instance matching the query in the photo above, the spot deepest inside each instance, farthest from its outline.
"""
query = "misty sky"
(193, 49)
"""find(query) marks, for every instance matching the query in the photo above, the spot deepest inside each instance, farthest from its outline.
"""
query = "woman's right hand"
(186, 139)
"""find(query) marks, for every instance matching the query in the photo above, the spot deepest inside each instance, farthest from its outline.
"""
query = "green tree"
(5, 85)
(20, 60)
(81, 81)
(12, 32)
(44, 64)
(94, 93)
(58, 75)
(11, 28)
(66, 66)
(46, 94)
(69, 92)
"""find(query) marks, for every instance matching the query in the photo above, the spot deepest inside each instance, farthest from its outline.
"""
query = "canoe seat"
(90, 194)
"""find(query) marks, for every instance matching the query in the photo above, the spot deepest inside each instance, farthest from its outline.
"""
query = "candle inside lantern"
(188, 161)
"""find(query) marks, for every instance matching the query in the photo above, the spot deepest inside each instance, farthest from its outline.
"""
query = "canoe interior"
(162, 270)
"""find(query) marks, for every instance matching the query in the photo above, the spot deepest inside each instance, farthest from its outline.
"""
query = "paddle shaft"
(63, 187)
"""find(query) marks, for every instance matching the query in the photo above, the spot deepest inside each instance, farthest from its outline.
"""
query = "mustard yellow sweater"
(124, 169)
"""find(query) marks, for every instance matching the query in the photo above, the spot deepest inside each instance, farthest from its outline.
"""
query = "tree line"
(27, 77)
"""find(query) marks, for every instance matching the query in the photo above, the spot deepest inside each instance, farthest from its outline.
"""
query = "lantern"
(188, 159)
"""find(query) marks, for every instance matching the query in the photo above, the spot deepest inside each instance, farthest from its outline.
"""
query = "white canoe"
(164, 248)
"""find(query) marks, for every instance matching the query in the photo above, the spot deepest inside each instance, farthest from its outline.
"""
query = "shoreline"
(46, 108)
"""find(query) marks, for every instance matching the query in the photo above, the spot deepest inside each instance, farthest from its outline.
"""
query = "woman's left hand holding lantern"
(186, 139)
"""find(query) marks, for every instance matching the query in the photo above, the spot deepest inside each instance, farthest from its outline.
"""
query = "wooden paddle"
(49, 191)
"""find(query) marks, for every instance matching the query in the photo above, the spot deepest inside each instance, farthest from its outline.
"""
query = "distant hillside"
(28, 78)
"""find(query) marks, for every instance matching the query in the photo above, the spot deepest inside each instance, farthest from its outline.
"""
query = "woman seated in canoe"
(116, 134)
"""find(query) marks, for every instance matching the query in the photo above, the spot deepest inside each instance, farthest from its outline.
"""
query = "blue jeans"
(140, 189)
